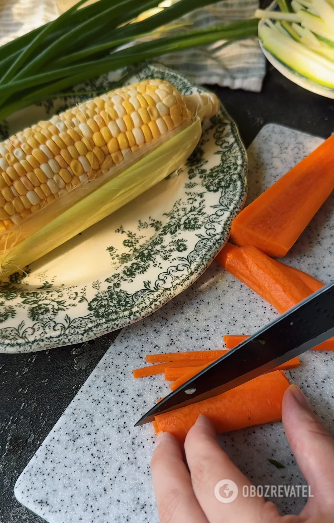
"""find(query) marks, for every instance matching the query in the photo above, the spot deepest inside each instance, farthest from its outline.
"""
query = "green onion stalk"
(90, 41)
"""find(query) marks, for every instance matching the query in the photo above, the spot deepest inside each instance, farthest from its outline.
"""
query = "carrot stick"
(277, 283)
(253, 403)
(275, 220)
(185, 356)
(232, 340)
(160, 368)
(180, 378)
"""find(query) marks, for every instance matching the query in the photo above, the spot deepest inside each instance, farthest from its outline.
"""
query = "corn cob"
(94, 140)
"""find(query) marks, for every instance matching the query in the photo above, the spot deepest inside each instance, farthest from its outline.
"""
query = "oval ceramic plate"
(131, 263)
(290, 74)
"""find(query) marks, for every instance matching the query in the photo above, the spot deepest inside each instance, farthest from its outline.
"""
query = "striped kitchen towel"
(238, 65)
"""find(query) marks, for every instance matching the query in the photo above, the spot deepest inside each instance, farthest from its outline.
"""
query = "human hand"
(188, 497)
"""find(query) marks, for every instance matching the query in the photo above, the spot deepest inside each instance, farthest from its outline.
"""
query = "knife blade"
(303, 327)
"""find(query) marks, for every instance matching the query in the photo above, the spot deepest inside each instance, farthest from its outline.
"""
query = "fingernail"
(299, 396)
(158, 440)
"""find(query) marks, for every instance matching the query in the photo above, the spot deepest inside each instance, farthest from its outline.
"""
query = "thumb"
(313, 448)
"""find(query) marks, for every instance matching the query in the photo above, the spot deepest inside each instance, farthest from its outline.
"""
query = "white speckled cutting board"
(94, 465)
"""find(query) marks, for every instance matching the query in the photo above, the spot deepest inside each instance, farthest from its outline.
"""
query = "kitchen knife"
(303, 327)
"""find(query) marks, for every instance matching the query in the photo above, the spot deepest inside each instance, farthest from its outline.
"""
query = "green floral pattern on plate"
(144, 261)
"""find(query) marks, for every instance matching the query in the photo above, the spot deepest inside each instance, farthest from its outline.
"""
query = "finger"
(172, 487)
(312, 446)
(208, 465)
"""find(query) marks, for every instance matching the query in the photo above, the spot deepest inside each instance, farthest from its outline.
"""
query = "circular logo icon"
(226, 491)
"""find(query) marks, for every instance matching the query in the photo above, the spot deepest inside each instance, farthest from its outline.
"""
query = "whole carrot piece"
(275, 220)
(256, 402)
(279, 284)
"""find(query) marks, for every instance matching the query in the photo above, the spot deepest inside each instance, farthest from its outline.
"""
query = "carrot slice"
(277, 283)
(256, 402)
(275, 220)
(185, 356)
(142, 372)
(232, 340)
(180, 378)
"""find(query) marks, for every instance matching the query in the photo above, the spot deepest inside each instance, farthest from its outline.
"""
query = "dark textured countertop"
(36, 388)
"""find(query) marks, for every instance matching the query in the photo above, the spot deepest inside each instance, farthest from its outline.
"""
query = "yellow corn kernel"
(75, 181)
(40, 138)
(65, 175)
(2, 182)
(7, 179)
(147, 133)
(142, 101)
(10, 159)
(46, 190)
(26, 165)
(66, 156)
(93, 125)
(26, 202)
(18, 205)
(177, 119)
(149, 100)
(33, 162)
(74, 135)
(81, 117)
(108, 163)
(117, 157)
(61, 161)
(154, 129)
(53, 147)
(27, 183)
(128, 106)
(130, 138)
(113, 145)
(169, 122)
(20, 188)
(105, 117)
(9, 208)
(33, 179)
(93, 161)
(12, 173)
(53, 130)
(123, 141)
(26, 148)
(76, 168)
(99, 154)
(73, 151)
(109, 108)
(106, 135)
(39, 193)
(40, 175)
(128, 122)
(59, 142)
(81, 148)
(3, 214)
(99, 120)
(66, 139)
(40, 156)
(98, 139)
(175, 109)
(88, 142)
(153, 112)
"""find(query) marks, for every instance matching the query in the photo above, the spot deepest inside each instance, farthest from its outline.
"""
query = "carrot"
(180, 378)
(185, 356)
(142, 372)
(253, 403)
(232, 340)
(275, 220)
(280, 285)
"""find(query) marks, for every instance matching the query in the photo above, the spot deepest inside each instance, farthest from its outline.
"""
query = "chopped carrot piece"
(232, 340)
(185, 356)
(326, 345)
(277, 283)
(253, 403)
(275, 220)
(151, 370)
